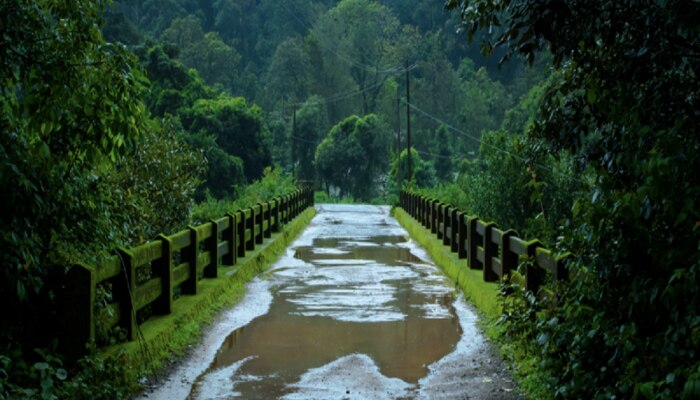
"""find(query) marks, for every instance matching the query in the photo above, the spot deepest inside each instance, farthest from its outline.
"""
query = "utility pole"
(398, 137)
(294, 140)
(408, 121)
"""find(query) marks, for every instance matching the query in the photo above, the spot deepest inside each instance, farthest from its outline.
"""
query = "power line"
(478, 140)
(461, 132)
(453, 157)
(303, 140)
(338, 96)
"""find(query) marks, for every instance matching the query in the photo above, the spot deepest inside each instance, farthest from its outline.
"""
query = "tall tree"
(442, 154)
(353, 156)
(625, 105)
(362, 36)
(289, 75)
(238, 128)
(311, 125)
(70, 109)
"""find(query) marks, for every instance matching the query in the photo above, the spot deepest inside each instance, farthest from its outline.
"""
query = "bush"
(273, 183)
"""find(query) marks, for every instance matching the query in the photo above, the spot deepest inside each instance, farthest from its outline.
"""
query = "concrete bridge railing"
(482, 244)
(169, 263)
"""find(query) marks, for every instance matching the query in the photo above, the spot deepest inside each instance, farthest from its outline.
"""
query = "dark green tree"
(364, 40)
(289, 75)
(625, 105)
(422, 171)
(311, 124)
(353, 156)
(442, 154)
(71, 118)
(70, 102)
(238, 128)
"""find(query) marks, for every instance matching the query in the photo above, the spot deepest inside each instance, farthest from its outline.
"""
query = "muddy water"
(354, 310)
(353, 288)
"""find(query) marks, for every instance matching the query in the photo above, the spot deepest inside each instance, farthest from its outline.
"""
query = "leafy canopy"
(624, 105)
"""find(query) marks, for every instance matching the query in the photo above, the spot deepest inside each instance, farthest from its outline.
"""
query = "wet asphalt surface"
(353, 310)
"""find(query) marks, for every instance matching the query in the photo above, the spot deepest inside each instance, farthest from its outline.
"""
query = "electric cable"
(489, 145)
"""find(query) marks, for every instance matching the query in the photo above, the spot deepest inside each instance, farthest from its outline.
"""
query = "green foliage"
(153, 188)
(514, 185)
(289, 75)
(365, 33)
(224, 172)
(624, 104)
(216, 61)
(353, 156)
(86, 170)
(442, 153)
(173, 88)
(238, 130)
(311, 126)
(69, 105)
(422, 172)
(273, 183)
(47, 379)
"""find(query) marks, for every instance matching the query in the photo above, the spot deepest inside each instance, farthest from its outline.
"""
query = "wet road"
(354, 310)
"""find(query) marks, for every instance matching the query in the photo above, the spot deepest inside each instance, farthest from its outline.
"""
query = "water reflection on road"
(355, 310)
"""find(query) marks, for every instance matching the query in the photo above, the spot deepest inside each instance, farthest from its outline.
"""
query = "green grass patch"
(484, 295)
(164, 337)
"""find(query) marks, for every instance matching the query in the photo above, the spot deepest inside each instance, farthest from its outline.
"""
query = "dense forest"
(574, 122)
(300, 69)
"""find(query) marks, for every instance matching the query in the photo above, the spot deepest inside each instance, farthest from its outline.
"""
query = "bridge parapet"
(153, 273)
(483, 245)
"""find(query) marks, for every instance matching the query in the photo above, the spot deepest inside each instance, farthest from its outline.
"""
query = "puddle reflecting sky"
(351, 295)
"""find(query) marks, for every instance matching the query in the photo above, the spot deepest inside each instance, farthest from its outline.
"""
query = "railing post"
(490, 250)
(463, 235)
(426, 212)
(454, 230)
(211, 245)
(126, 284)
(473, 243)
(533, 278)
(288, 214)
(190, 255)
(250, 226)
(229, 235)
(416, 197)
(78, 324)
(441, 221)
(447, 226)
(509, 260)
(296, 204)
(412, 205)
(429, 214)
(240, 232)
(259, 218)
(163, 268)
(434, 217)
(276, 215)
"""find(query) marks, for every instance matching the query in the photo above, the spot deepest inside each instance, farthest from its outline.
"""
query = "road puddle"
(351, 294)
(354, 310)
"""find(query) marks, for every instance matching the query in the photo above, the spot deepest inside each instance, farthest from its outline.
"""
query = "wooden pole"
(409, 175)
(294, 141)
(398, 137)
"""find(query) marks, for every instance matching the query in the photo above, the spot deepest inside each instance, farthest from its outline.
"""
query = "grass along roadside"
(485, 297)
(164, 338)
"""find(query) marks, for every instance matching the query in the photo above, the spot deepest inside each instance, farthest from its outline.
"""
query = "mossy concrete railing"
(484, 246)
(154, 273)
